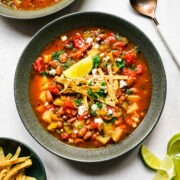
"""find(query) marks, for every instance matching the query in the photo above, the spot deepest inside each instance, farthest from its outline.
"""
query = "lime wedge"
(173, 147)
(150, 159)
(80, 69)
(166, 170)
(176, 161)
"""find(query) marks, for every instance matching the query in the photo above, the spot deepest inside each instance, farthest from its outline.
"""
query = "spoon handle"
(169, 45)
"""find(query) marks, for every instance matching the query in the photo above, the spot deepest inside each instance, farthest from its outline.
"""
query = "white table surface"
(14, 36)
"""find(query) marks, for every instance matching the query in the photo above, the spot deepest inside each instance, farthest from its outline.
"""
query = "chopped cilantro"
(113, 119)
(104, 66)
(129, 92)
(133, 67)
(90, 83)
(90, 92)
(93, 113)
(78, 101)
(137, 49)
(99, 105)
(118, 36)
(121, 65)
(102, 93)
(79, 127)
(103, 83)
(44, 73)
(66, 65)
(54, 82)
(96, 60)
(55, 55)
(95, 95)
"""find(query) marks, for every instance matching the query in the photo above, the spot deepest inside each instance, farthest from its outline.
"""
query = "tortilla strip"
(11, 161)
(17, 168)
(110, 90)
(110, 74)
(2, 157)
(101, 73)
(107, 101)
(85, 102)
(16, 154)
(8, 156)
(3, 173)
(115, 85)
(78, 89)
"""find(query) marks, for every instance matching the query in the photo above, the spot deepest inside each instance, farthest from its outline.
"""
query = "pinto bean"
(130, 81)
(64, 135)
(59, 124)
(64, 117)
(60, 111)
(72, 120)
(58, 70)
(63, 57)
(78, 141)
(94, 136)
(88, 135)
(49, 96)
(53, 64)
(122, 98)
(82, 132)
(88, 121)
(117, 122)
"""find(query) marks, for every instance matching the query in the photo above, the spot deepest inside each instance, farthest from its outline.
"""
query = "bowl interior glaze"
(73, 21)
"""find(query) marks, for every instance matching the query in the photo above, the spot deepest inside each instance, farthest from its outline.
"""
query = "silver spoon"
(147, 8)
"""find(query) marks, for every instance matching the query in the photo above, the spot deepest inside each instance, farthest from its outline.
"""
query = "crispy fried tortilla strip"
(8, 157)
(79, 89)
(17, 168)
(85, 102)
(16, 154)
(2, 157)
(116, 85)
(3, 173)
(110, 74)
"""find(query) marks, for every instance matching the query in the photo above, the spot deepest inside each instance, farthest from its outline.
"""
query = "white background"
(14, 36)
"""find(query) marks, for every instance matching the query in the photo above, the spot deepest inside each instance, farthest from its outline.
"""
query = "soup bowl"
(32, 14)
(74, 21)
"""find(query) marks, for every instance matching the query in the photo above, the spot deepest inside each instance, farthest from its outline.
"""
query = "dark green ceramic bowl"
(37, 169)
(69, 22)
(21, 14)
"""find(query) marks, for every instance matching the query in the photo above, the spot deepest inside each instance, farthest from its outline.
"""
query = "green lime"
(166, 170)
(150, 159)
(173, 147)
(176, 161)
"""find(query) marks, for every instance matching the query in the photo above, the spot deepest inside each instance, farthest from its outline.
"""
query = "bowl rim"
(35, 16)
(144, 136)
(28, 147)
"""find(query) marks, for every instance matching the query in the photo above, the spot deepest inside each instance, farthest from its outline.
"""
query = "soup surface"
(29, 4)
(90, 87)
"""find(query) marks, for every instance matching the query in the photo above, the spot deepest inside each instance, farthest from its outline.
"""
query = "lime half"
(150, 159)
(176, 161)
(173, 147)
(166, 170)
(80, 69)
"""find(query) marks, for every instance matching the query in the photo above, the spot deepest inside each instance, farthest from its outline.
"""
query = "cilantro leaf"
(99, 105)
(78, 101)
(104, 66)
(102, 93)
(96, 60)
(55, 55)
(93, 113)
(118, 36)
(137, 49)
(120, 64)
(103, 83)
(44, 73)
(129, 92)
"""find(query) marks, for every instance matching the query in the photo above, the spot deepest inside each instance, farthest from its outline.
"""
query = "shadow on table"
(30, 27)
(104, 168)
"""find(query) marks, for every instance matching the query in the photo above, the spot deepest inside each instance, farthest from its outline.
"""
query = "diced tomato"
(120, 44)
(78, 41)
(80, 52)
(130, 58)
(53, 88)
(84, 116)
(94, 125)
(116, 53)
(129, 72)
(110, 39)
(69, 108)
(123, 126)
(64, 135)
(39, 64)
(139, 70)
(102, 66)
(129, 122)
(119, 93)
